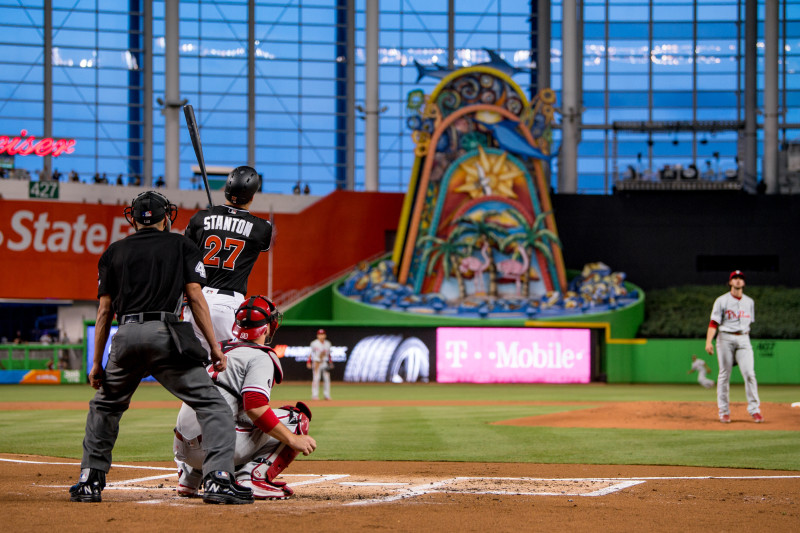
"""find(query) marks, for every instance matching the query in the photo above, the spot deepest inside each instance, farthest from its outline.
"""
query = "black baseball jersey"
(147, 271)
(231, 240)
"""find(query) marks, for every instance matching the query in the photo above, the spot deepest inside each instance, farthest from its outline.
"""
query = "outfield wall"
(668, 360)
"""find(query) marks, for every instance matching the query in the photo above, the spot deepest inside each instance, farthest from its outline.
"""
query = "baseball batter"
(231, 239)
(267, 440)
(731, 317)
(321, 364)
(700, 366)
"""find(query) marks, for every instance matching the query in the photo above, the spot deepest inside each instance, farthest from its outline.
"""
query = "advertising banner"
(513, 355)
(385, 354)
(362, 354)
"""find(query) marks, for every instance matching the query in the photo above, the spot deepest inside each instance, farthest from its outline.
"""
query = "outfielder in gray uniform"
(702, 369)
(267, 440)
(320, 362)
(731, 317)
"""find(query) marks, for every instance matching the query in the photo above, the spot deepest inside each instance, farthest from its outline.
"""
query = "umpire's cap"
(150, 207)
(242, 184)
(736, 274)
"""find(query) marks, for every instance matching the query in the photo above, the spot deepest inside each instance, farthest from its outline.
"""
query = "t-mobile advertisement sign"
(513, 355)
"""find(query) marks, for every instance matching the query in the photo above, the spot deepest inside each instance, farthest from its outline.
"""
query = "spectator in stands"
(296, 188)
(160, 182)
(137, 181)
(119, 179)
(18, 338)
(46, 338)
(96, 178)
(3, 173)
(306, 189)
(73, 176)
(56, 175)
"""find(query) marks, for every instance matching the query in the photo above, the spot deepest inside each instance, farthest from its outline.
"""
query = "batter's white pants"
(251, 444)
(320, 370)
(223, 314)
(737, 348)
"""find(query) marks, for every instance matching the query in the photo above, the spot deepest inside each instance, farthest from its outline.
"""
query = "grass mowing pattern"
(430, 433)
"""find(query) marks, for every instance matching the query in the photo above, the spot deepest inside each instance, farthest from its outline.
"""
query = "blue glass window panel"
(627, 99)
(672, 99)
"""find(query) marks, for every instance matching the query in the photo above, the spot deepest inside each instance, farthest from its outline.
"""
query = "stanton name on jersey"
(236, 225)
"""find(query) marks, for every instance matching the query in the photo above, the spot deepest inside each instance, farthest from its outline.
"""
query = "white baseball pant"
(222, 308)
(737, 348)
(320, 369)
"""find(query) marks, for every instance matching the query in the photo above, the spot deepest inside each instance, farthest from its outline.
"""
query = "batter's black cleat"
(89, 486)
(219, 487)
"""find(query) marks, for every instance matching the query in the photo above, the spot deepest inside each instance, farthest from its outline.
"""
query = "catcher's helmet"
(242, 184)
(253, 317)
(149, 208)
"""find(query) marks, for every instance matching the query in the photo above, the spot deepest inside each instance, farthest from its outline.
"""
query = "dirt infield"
(406, 496)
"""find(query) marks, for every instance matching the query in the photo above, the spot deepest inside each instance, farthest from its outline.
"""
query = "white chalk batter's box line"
(410, 491)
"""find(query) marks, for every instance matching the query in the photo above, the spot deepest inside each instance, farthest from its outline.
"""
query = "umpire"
(142, 279)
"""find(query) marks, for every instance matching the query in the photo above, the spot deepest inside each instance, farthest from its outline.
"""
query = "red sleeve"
(713, 324)
(267, 421)
(253, 400)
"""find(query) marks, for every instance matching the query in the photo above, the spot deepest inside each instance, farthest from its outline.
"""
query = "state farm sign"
(513, 355)
(37, 231)
(51, 249)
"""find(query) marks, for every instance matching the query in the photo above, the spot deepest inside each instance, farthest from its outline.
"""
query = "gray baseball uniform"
(249, 369)
(734, 316)
(699, 366)
(320, 358)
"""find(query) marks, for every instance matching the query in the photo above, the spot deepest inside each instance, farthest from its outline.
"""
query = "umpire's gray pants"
(136, 351)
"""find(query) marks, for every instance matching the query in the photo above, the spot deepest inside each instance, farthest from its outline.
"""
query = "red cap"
(736, 273)
(320, 332)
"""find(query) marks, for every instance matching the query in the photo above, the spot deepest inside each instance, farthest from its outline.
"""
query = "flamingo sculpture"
(512, 269)
(474, 265)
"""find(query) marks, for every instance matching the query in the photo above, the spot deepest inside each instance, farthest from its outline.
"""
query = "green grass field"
(431, 433)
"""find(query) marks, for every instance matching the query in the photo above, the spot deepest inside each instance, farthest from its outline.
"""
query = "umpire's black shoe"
(219, 487)
(89, 486)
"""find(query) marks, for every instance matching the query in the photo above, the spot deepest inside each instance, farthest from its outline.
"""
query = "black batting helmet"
(253, 316)
(242, 184)
(150, 207)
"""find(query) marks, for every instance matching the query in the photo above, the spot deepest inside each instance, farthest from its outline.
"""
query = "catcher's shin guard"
(260, 473)
(253, 475)
(298, 421)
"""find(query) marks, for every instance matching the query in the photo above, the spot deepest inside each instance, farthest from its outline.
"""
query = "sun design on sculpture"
(489, 175)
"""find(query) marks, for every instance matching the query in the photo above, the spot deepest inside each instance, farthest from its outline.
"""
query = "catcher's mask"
(242, 184)
(253, 317)
(150, 207)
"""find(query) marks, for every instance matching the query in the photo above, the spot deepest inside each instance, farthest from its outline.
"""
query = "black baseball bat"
(194, 133)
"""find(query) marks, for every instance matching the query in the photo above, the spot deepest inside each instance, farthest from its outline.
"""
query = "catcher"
(267, 439)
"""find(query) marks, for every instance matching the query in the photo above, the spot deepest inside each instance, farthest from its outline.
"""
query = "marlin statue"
(509, 139)
(495, 62)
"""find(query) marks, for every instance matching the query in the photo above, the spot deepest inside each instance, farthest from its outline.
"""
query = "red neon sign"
(44, 146)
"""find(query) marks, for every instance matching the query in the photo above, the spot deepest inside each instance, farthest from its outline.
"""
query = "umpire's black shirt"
(147, 271)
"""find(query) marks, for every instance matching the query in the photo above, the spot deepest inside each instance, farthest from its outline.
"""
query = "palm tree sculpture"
(493, 233)
(533, 238)
(448, 252)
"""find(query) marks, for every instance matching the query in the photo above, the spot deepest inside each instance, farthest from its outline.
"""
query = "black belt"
(226, 292)
(139, 318)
